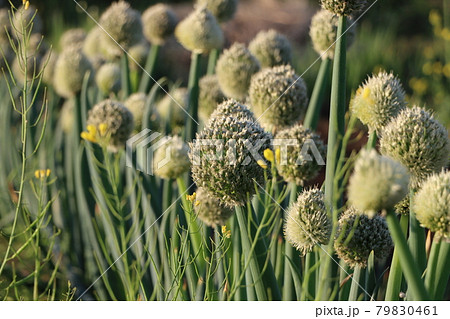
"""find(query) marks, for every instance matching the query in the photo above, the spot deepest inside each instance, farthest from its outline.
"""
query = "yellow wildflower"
(262, 164)
(278, 155)
(88, 137)
(27, 5)
(427, 68)
(226, 233)
(446, 70)
(103, 128)
(192, 197)
(42, 173)
(268, 154)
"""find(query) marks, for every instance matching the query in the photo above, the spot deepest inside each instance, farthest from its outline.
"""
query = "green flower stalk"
(357, 235)
(200, 32)
(70, 70)
(223, 10)
(209, 210)
(66, 117)
(307, 223)
(299, 166)
(377, 183)
(431, 204)
(159, 22)
(171, 159)
(323, 33)
(169, 108)
(108, 78)
(271, 49)
(210, 96)
(229, 176)
(73, 37)
(278, 97)
(343, 7)
(235, 69)
(117, 119)
(378, 100)
(36, 52)
(418, 141)
(123, 26)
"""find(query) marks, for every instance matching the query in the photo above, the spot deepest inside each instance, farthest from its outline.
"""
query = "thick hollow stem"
(407, 262)
(212, 61)
(315, 103)
(194, 76)
(147, 75)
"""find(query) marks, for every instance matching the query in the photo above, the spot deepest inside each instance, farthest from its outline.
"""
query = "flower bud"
(118, 120)
(278, 97)
(358, 235)
(108, 78)
(418, 141)
(307, 223)
(70, 69)
(271, 49)
(343, 7)
(378, 100)
(200, 32)
(323, 33)
(209, 210)
(159, 23)
(431, 204)
(73, 37)
(170, 108)
(300, 165)
(223, 10)
(209, 97)
(235, 69)
(378, 183)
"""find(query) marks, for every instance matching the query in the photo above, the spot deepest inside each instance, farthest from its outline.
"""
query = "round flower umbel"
(431, 204)
(235, 69)
(357, 235)
(108, 78)
(225, 155)
(307, 223)
(74, 36)
(323, 33)
(159, 23)
(230, 108)
(418, 141)
(116, 120)
(343, 7)
(378, 183)
(91, 44)
(209, 210)
(378, 100)
(278, 97)
(304, 154)
(138, 55)
(70, 69)
(271, 49)
(223, 10)
(200, 32)
(209, 97)
(171, 159)
(123, 27)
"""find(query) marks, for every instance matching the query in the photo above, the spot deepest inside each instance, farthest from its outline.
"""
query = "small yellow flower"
(42, 173)
(226, 233)
(88, 137)
(27, 5)
(192, 197)
(262, 164)
(435, 18)
(197, 203)
(268, 154)
(437, 67)
(92, 130)
(278, 155)
(103, 128)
